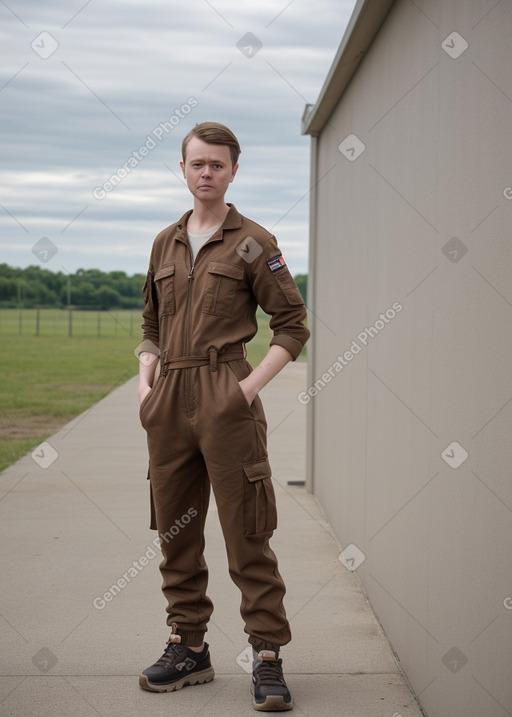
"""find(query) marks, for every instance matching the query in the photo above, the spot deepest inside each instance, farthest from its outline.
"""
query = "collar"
(233, 220)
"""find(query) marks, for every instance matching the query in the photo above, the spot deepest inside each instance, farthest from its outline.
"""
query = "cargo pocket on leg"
(260, 514)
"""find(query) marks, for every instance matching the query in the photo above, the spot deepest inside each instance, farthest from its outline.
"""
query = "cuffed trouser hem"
(259, 644)
(189, 638)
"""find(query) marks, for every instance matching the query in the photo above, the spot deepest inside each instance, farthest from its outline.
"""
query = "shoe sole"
(196, 678)
(273, 703)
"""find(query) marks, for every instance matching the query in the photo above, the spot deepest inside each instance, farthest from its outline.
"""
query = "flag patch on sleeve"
(276, 263)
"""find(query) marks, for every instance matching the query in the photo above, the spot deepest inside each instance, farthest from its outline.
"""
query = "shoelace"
(270, 673)
(172, 654)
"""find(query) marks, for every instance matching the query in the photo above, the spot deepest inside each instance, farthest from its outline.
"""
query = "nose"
(206, 171)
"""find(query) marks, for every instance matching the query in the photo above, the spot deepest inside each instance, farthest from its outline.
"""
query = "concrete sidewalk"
(71, 528)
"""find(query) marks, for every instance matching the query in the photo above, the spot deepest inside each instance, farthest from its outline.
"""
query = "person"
(204, 420)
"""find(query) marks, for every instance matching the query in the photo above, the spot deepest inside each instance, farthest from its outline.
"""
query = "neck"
(207, 215)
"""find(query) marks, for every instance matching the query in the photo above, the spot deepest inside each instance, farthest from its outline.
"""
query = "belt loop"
(163, 364)
(212, 355)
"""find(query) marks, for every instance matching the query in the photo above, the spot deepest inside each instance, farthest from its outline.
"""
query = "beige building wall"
(410, 444)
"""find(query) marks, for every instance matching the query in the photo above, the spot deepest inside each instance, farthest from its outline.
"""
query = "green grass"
(49, 379)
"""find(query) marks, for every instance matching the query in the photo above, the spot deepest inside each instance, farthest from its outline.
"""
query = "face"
(207, 169)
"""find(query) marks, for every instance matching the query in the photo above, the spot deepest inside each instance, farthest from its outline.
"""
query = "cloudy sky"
(85, 85)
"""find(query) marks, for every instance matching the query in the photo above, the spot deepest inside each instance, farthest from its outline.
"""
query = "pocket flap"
(257, 470)
(165, 270)
(231, 270)
(289, 287)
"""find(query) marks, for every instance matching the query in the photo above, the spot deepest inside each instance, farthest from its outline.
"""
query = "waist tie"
(212, 359)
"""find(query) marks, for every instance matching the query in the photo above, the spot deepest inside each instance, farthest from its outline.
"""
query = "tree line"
(85, 289)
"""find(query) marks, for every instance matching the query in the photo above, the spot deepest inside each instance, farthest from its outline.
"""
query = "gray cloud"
(118, 71)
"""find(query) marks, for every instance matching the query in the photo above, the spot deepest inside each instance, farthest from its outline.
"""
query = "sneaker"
(269, 690)
(177, 668)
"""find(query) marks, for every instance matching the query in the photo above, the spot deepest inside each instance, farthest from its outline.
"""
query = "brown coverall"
(200, 428)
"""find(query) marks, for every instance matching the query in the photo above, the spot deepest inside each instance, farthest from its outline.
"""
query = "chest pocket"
(220, 288)
(164, 283)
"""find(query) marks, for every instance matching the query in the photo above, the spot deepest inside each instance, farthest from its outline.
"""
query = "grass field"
(49, 378)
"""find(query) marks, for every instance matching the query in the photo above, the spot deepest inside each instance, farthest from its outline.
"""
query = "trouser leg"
(233, 442)
(180, 494)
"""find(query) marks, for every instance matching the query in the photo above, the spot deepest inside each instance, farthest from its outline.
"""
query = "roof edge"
(364, 24)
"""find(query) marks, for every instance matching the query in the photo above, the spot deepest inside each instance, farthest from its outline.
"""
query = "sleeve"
(277, 294)
(150, 332)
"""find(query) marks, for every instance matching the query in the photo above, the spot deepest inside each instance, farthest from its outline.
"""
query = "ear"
(183, 169)
(234, 171)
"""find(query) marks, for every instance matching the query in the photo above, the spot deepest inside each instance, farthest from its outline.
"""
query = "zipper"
(186, 338)
(188, 318)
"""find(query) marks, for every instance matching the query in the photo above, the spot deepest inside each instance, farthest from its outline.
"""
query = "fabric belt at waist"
(212, 359)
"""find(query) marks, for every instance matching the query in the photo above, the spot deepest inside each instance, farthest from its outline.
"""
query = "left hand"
(276, 358)
(249, 392)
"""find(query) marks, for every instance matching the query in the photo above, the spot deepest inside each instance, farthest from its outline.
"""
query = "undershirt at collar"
(196, 241)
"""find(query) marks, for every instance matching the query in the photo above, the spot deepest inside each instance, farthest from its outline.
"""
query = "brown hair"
(213, 133)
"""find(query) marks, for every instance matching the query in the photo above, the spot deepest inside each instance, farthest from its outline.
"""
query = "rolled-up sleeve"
(150, 331)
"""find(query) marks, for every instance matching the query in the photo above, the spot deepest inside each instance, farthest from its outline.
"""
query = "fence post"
(70, 323)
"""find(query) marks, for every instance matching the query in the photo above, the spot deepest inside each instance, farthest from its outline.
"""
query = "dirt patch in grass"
(21, 426)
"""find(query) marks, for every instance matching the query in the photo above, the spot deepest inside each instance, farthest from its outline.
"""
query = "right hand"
(143, 391)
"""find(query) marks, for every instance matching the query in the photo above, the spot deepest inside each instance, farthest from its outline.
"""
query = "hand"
(276, 359)
(143, 391)
(249, 392)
